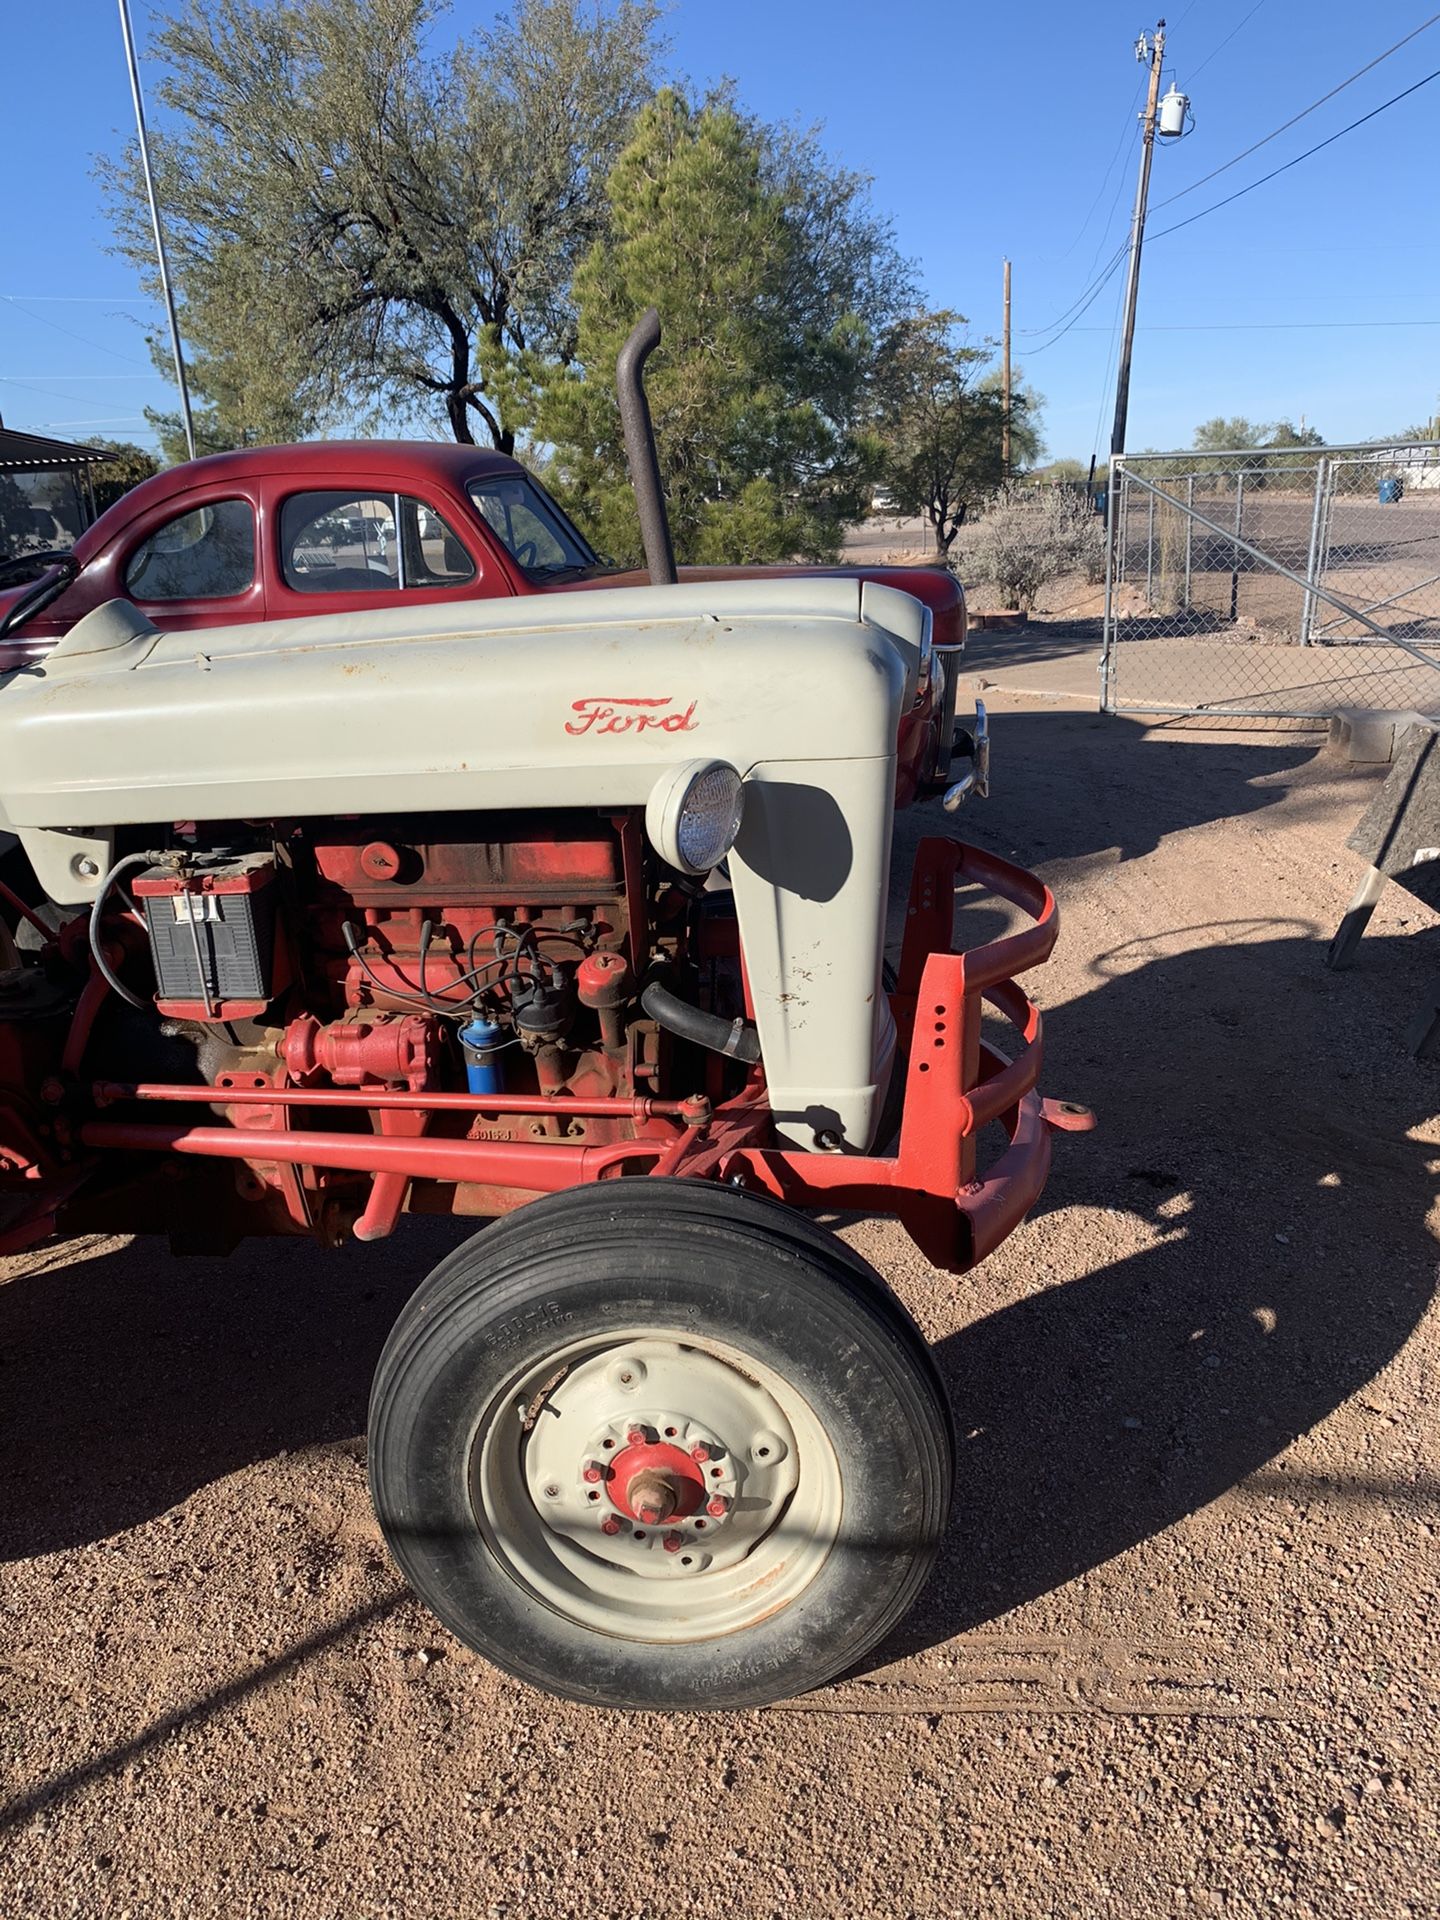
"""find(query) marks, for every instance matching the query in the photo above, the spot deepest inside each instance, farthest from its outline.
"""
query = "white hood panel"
(573, 700)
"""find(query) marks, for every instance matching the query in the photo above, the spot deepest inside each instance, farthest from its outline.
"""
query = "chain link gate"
(1286, 582)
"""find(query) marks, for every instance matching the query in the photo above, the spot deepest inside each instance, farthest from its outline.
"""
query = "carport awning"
(34, 452)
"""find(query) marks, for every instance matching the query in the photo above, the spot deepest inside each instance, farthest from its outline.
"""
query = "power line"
(1127, 134)
(1109, 368)
(53, 393)
(11, 300)
(1131, 130)
(1303, 114)
(1193, 77)
(1088, 290)
(1120, 186)
(1275, 172)
(1085, 299)
(1261, 326)
(1114, 267)
(105, 420)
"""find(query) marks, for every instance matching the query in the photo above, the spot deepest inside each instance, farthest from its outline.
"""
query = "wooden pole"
(1137, 242)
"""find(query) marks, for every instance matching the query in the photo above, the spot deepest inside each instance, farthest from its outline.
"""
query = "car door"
(338, 546)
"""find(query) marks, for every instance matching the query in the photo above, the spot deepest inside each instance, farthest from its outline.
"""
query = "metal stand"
(1357, 917)
(1399, 833)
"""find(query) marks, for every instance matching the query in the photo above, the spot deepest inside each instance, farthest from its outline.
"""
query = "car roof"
(353, 459)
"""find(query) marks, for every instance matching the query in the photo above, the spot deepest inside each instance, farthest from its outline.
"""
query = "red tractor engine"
(392, 975)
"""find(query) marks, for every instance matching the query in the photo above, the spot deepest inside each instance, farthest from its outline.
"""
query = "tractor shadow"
(1072, 785)
(129, 1377)
(1260, 1132)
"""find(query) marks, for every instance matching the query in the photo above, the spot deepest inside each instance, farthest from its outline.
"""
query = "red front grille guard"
(955, 1083)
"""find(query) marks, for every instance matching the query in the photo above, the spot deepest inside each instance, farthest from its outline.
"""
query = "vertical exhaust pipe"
(640, 452)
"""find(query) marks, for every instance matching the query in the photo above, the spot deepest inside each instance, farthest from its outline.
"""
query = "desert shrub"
(1026, 539)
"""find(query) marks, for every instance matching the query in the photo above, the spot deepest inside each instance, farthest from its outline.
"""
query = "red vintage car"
(270, 533)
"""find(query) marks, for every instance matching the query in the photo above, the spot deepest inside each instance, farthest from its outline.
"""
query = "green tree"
(127, 466)
(1239, 445)
(941, 419)
(1228, 436)
(1285, 434)
(770, 275)
(357, 223)
(1027, 442)
(1062, 473)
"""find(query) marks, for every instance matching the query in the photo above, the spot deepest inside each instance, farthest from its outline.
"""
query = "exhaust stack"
(640, 452)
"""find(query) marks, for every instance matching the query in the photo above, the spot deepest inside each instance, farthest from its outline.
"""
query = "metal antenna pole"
(138, 98)
(1137, 241)
(1005, 428)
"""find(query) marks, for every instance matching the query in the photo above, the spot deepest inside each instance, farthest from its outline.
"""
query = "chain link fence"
(1289, 582)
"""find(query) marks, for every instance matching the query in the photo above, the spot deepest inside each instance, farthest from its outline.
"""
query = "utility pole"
(165, 288)
(1005, 376)
(1137, 241)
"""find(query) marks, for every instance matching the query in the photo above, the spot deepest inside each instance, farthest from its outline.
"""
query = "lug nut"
(718, 1507)
(611, 1524)
(637, 1437)
(700, 1453)
(674, 1542)
(593, 1473)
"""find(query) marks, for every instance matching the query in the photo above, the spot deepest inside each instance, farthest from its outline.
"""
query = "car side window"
(205, 554)
(337, 542)
(530, 525)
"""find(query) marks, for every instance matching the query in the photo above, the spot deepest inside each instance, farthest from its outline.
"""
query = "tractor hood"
(572, 701)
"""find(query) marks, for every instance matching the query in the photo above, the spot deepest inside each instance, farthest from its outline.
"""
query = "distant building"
(46, 496)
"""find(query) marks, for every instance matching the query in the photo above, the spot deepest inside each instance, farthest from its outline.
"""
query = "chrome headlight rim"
(694, 813)
(926, 665)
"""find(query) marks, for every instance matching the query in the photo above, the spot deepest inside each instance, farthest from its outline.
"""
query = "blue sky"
(987, 130)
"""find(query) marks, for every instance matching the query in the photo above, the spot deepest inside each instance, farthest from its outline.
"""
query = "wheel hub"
(653, 1481)
(612, 1468)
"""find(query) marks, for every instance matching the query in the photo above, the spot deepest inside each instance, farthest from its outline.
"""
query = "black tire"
(665, 1257)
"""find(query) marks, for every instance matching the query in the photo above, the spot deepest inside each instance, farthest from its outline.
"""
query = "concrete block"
(1368, 736)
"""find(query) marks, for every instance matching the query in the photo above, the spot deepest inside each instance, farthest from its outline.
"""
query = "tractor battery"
(212, 934)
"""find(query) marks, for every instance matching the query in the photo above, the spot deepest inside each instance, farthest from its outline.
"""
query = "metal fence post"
(1122, 532)
(1239, 529)
(1312, 562)
(1107, 631)
(1189, 534)
(1150, 555)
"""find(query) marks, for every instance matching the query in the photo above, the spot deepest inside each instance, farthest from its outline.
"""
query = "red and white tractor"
(344, 916)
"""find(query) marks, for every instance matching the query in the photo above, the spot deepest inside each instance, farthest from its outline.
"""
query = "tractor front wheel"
(661, 1444)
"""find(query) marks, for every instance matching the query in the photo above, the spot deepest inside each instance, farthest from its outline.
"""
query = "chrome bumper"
(975, 741)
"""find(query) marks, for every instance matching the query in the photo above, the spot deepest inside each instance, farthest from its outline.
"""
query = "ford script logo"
(600, 714)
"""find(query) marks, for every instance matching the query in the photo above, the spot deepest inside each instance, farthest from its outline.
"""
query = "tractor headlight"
(694, 814)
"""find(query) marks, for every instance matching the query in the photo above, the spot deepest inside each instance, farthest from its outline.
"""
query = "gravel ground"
(1179, 1655)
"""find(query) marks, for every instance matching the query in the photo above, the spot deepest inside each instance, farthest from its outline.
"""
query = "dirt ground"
(1180, 1655)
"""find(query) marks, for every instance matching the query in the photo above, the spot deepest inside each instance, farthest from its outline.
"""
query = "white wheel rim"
(569, 1466)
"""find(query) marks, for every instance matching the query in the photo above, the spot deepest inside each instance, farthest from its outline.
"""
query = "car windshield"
(532, 528)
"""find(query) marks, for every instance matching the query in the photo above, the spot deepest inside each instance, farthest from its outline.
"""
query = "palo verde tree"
(941, 418)
(1237, 445)
(357, 222)
(126, 467)
(773, 278)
